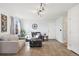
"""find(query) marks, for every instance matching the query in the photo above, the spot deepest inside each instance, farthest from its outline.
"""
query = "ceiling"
(28, 10)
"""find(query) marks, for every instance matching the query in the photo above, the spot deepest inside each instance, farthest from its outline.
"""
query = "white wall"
(44, 26)
(8, 22)
(73, 29)
(52, 30)
(59, 26)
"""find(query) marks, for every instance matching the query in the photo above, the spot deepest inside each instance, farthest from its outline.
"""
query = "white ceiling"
(28, 10)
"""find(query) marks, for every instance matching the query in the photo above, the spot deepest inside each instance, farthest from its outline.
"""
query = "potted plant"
(23, 33)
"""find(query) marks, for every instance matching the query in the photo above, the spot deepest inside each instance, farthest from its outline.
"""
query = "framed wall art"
(3, 23)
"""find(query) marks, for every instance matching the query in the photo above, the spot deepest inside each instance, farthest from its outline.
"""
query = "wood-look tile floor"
(49, 48)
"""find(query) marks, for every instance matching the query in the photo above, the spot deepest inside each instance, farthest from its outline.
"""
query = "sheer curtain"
(15, 25)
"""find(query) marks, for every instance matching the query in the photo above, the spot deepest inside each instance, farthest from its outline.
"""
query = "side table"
(45, 38)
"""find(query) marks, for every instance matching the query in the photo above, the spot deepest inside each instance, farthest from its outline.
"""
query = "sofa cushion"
(13, 38)
(4, 37)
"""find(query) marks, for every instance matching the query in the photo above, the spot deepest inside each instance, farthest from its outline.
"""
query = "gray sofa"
(10, 43)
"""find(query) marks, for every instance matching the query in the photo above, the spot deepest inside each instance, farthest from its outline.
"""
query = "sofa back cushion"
(4, 37)
(9, 37)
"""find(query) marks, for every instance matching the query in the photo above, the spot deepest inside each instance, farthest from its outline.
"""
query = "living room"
(24, 30)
